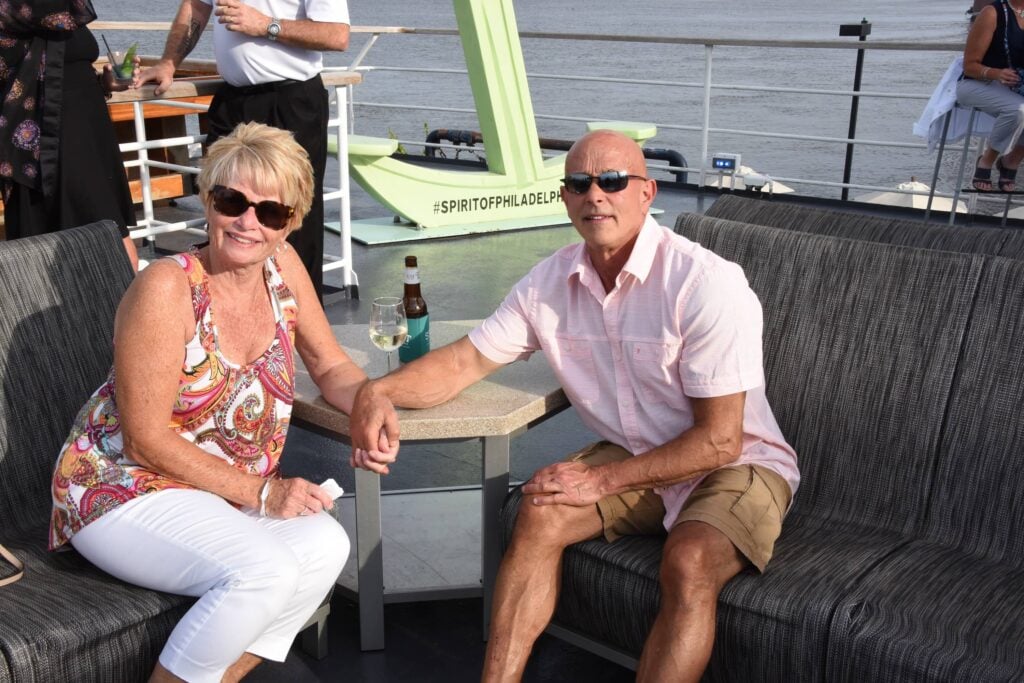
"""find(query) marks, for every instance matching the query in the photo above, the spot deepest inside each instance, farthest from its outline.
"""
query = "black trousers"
(302, 108)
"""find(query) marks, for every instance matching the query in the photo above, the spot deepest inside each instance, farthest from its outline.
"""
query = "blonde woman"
(170, 477)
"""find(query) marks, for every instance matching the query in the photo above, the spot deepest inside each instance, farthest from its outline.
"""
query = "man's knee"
(555, 525)
(698, 560)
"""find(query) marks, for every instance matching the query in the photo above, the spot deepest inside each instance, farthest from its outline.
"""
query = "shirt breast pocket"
(655, 371)
(579, 370)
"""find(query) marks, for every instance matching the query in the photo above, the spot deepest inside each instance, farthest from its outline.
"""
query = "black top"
(1013, 35)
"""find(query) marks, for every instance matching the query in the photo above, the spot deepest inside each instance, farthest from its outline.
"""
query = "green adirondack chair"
(520, 188)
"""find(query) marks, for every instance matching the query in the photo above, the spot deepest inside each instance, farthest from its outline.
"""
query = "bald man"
(657, 343)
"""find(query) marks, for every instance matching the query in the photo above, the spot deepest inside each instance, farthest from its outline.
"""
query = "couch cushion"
(778, 626)
(60, 293)
(610, 593)
(1013, 247)
(780, 214)
(861, 340)
(977, 503)
(68, 621)
(932, 613)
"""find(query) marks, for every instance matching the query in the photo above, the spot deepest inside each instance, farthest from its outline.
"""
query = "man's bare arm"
(433, 379)
(186, 29)
(714, 440)
(437, 377)
(305, 33)
(314, 35)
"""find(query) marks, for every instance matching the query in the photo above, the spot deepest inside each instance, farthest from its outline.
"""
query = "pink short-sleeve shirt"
(681, 322)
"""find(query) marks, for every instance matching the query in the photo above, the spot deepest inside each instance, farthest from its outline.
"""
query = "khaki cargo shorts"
(745, 502)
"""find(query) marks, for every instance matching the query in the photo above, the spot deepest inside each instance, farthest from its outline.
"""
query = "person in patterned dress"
(170, 477)
(60, 166)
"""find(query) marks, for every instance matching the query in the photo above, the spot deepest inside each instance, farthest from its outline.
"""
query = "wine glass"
(388, 328)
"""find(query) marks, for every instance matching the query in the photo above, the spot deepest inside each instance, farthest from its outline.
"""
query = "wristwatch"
(273, 29)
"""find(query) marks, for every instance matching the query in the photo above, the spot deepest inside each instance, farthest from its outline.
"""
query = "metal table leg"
(371, 561)
(494, 490)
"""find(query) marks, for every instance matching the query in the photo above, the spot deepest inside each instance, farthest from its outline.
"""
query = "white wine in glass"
(388, 327)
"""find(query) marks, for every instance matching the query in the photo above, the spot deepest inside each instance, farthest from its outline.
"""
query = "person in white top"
(270, 54)
(657, 343)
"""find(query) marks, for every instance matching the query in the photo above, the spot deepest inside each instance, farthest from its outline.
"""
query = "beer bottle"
(418, 341)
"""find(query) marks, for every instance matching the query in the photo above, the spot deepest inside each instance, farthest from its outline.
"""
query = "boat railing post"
(345, 217)
(704, 135)
(350, 99)
(144, 177)
(358, 60)
(938, 164)
(862, 30)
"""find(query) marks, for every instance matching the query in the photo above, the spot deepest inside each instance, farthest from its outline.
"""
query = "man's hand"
(161, 73)
(373, 426)
(241, 18)
(565, 483)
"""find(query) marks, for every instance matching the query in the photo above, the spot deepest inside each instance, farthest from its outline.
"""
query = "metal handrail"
(706, 85)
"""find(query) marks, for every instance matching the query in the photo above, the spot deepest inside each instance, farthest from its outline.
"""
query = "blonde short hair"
(266, 158)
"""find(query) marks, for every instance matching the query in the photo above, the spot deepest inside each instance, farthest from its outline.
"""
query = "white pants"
(258, 580)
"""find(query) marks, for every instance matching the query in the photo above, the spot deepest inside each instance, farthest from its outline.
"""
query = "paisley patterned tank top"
(239, 413)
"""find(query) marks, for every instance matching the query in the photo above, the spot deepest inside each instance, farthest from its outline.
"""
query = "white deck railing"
(706, 86)
(150, 226)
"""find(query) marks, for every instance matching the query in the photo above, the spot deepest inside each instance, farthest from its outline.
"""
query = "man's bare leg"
(526, 589)
(697, 563)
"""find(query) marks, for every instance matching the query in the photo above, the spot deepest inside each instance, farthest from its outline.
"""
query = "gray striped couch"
(893, 354)
(65, 620)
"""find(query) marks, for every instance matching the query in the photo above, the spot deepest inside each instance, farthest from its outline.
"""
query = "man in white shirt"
(269, 53)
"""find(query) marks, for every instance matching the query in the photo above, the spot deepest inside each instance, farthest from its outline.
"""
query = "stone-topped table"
(494, 410)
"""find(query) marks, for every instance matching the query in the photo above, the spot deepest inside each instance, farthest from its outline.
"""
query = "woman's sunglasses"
(230, 202)
(609, 181)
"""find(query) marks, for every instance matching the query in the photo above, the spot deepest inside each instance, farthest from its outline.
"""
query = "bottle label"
(412, 276)
(418, 341)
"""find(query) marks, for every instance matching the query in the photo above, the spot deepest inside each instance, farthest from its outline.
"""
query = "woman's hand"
(1008, 77)
(111, 83)
(377, 459)
(296, 497)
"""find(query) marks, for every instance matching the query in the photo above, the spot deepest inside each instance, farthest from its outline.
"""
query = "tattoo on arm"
(187, 42)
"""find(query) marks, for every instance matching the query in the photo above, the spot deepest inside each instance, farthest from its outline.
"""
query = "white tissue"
(332, 489)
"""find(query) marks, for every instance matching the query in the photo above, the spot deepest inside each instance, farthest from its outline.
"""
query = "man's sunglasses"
(230, 202)
(609, 181)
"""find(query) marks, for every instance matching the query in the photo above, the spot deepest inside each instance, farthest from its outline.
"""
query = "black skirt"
(91, 180)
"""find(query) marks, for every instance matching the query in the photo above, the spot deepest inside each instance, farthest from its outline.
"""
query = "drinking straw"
(110, 53)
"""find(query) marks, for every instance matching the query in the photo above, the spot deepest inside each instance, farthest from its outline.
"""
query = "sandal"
(1007, 177)
(982, 180)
